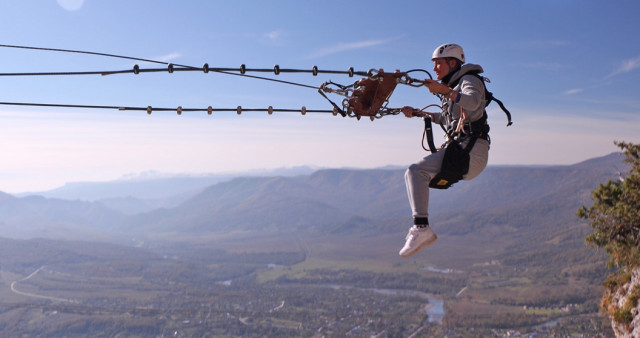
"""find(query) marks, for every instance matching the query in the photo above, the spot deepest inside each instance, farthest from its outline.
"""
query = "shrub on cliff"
(615, 218)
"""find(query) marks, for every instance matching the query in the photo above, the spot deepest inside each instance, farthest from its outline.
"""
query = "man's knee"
(411, 171)
(414, 171)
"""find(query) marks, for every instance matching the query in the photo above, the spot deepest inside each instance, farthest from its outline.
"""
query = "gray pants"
(419, 174)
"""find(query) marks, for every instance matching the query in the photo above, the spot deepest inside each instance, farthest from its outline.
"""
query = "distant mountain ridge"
(324, 199)
(147, 191)
(39, 217)
(328, 201)
(154, 185)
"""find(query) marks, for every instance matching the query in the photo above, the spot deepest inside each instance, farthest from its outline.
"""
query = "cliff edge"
(623, 307)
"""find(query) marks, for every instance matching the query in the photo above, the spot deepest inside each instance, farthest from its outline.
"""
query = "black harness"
(455, 163)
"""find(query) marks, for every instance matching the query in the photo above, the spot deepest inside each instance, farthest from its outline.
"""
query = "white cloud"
(273, 35)
(543, 43)
(168, 57)
(573, 91)
(544, 65)
(70, 5)
(348, 46)
(272, 38)
(626, 66)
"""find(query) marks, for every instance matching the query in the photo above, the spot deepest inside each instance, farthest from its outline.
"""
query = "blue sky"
(567, 70)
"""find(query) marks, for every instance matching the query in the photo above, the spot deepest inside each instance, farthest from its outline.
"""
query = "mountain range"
(508, 240)
(508, 204)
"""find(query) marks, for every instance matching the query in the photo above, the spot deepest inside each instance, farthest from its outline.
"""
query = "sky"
(566, 70)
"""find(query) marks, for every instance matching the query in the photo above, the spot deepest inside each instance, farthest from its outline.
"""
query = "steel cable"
(241, 71)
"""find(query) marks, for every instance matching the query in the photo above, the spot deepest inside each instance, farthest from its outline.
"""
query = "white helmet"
(449, 50)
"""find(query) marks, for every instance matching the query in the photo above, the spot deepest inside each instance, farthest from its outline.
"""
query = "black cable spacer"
(170, 68)
(205, 67)
(350, 71)
(314, 70)
(276, 69)
(243, 68)
(136, 69)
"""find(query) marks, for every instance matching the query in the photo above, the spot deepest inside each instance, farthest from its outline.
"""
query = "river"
(434, 307)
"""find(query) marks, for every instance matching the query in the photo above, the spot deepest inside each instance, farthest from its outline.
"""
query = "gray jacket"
(472, 100)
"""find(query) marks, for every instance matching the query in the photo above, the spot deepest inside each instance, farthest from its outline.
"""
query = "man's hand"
(408, 111)
(436, 87)
(412, 112)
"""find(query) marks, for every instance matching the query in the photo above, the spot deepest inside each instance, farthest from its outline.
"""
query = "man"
(463, 115)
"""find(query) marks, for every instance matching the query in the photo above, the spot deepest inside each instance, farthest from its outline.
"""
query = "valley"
(311, 255)
(324, 289)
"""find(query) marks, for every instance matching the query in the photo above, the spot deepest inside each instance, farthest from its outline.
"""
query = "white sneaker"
(417, 239)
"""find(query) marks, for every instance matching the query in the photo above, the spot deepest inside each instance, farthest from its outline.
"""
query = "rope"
(179, 109)
(171, 68)
(86, 52)
(205, 68)
(241, 71)
(137, 70)
(276, 69)
(227, 71)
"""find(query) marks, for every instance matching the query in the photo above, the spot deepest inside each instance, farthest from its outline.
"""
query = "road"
(33, 295)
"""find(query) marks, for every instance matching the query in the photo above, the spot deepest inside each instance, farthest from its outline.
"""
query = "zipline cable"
(352, 92)
(87, 52)
(170, 68)
(242, 68)
(228, 71)
(179, 109)
(137, 70)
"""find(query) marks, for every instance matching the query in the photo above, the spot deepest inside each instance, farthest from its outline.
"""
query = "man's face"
(441, 67)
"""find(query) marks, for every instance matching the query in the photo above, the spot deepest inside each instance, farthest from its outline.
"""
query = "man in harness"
(465, 153)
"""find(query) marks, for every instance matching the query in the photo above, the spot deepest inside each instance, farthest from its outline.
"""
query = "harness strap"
(488, 96)
(428, 134)
(504, 109)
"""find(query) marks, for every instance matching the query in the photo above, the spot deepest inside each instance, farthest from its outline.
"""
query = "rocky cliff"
(624, 307)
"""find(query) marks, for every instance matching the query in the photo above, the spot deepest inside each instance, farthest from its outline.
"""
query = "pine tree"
(615, 218)
(615, 213)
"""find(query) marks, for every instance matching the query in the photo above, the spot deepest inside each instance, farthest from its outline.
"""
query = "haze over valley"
(240, 255)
